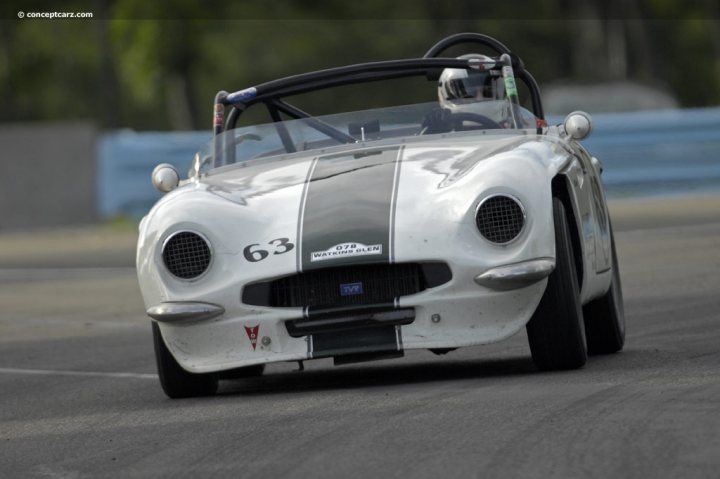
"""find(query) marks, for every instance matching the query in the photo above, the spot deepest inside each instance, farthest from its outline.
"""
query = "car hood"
(446, 160)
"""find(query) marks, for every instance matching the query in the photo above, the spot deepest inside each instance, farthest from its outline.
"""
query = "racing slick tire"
(556, 332)
(605, 316)
(175, 381)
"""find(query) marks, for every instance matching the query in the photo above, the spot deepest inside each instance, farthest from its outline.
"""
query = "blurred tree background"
(155, 65)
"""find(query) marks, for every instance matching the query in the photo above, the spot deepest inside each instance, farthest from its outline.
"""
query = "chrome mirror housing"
(578, 125)
(165, 178)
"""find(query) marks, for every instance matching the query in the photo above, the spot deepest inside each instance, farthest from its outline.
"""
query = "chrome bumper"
(184, 312)
(516, 275)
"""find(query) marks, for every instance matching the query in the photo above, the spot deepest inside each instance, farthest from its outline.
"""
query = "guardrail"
(126, 160)
(658, 152)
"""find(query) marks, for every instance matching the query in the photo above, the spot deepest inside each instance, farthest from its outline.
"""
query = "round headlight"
(165, 178)
(500, 218)
(186, 254)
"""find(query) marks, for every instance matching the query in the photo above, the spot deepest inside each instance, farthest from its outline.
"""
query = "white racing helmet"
(458, 86)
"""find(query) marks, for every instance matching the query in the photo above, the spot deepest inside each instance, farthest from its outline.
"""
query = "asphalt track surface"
(79, 396)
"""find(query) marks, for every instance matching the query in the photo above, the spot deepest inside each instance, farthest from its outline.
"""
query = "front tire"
(175, 381)
(556, 332)
(605, 316)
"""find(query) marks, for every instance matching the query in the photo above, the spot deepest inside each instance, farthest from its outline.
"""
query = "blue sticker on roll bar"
(242, 95)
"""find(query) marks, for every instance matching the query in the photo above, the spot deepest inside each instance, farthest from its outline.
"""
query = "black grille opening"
(500, 219)
(347, 285)
(186, 255)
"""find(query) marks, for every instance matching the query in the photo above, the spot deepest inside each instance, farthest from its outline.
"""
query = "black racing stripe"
(348, 209)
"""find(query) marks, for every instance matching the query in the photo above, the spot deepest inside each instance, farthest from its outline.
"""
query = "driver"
(463, 91)
(459, 87)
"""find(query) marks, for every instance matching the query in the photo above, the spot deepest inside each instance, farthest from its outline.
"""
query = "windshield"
(313, 133)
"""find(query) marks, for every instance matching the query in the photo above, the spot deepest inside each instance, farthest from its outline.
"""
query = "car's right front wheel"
(556, 332)
(175, 381)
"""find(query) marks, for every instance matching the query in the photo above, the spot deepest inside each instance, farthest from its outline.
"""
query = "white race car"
(360, 235)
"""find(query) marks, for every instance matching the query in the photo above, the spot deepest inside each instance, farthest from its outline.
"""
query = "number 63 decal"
(282, 246)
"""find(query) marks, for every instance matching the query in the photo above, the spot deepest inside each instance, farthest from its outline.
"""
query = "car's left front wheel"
(175, 381)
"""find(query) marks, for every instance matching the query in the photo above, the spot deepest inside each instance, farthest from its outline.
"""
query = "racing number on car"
(283, 243)
(253, 254)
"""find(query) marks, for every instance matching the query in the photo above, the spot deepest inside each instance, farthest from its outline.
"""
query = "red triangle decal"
(252, 332)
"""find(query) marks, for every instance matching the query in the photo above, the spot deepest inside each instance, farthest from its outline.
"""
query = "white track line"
(98, 374)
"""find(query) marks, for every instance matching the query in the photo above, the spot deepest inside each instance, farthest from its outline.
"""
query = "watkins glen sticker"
(346, 250)
(252, 332)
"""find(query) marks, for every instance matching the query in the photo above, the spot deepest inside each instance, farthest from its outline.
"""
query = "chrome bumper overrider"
(516, 275)
(184, 312)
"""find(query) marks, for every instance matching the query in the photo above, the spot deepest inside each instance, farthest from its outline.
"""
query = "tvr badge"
(351, 289)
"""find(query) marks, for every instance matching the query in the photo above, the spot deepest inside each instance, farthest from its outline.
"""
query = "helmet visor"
(476, 85)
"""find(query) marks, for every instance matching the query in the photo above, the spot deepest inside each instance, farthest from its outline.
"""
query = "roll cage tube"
(467, 37)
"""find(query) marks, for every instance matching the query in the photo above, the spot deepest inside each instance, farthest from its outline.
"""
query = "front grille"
(186, 255)
(347, 285)
(500, 218)
(380, 284)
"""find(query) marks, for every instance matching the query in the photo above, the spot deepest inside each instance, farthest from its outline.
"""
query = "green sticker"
(510, 87)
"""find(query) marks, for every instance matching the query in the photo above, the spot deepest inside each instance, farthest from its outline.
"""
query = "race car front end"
(357, 255)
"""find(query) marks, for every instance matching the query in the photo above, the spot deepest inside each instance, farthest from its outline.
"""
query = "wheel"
(556, 332)
(175, 381)
(605, 316)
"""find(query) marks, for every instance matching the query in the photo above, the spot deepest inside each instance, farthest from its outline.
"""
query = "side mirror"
(165, 178)
(578, 125)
